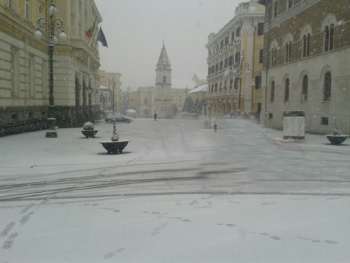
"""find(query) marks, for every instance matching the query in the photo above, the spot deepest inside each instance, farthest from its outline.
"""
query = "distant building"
(235, 62)
(307, 65)
(109, 86)
(197, 98)
(162, 98)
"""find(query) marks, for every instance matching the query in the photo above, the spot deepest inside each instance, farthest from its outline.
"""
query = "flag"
(102, 38)
(89, 33)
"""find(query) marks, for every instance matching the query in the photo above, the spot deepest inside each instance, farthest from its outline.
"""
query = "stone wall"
(322, 116)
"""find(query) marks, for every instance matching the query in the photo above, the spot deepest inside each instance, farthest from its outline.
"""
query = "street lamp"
(54, 28)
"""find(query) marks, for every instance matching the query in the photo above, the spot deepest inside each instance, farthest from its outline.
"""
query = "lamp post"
(54, 29)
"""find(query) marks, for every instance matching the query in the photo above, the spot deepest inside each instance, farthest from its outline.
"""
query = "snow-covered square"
(179, 193)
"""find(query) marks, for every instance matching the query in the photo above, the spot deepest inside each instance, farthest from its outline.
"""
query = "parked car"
(110, 117)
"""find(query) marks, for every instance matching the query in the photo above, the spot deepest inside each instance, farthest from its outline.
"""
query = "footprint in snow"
(7, 229)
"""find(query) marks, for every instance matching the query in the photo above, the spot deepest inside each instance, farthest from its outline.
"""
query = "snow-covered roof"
(201, 88)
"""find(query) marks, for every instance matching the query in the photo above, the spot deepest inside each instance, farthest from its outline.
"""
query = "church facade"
(162, 99)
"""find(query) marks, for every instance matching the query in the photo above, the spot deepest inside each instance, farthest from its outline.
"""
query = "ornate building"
(109, 91)
(235, 63)
(24, 93)
(307, 47)
(162, 98)
(163, 70)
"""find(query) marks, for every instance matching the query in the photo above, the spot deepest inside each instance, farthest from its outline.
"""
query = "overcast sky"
(135, 30)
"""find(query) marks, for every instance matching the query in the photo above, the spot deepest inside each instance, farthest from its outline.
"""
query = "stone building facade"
(307, 47)
(162, 98)
(24, 65)
(235, 63)
(109, 91)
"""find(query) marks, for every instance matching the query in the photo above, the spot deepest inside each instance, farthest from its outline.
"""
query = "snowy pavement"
(180, 193)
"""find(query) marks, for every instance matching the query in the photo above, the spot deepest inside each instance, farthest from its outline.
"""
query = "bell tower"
(163, 70)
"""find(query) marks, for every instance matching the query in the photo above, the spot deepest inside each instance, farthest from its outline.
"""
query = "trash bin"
(294, 125)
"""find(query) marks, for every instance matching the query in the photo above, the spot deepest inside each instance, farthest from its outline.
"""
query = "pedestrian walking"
(215, 127)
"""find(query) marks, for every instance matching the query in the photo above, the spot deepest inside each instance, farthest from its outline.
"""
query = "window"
(286, 90)
(227, 39)
(308, 42)
(10, 4)
(261, 56)
(272, 92)
(231, 60)
(306, 45)
(232, 37)
(326, 38)
(327, 86)
(275, 9)
(27, 9)
(290, 4)
(288, 52)
(238, 32)
(260, 29)
(238, 58)
(221, 65)
(305, 88)
(273, 56)
(164, 79)
(257, 82)
(236, 83)
(231, 84)
(324, 121)
(329, 37)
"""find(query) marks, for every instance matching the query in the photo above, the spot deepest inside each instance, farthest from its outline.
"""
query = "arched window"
(286, 90)
(305, 88)
(326, 38)
(327, 86)
(272, 92)
(329, 37)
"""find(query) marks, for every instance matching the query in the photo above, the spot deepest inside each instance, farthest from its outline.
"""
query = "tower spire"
(163, 69)
(164, 60)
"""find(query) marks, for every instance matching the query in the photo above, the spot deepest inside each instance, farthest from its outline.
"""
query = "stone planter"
(337, 139)
(89, 133)
(115, 147)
